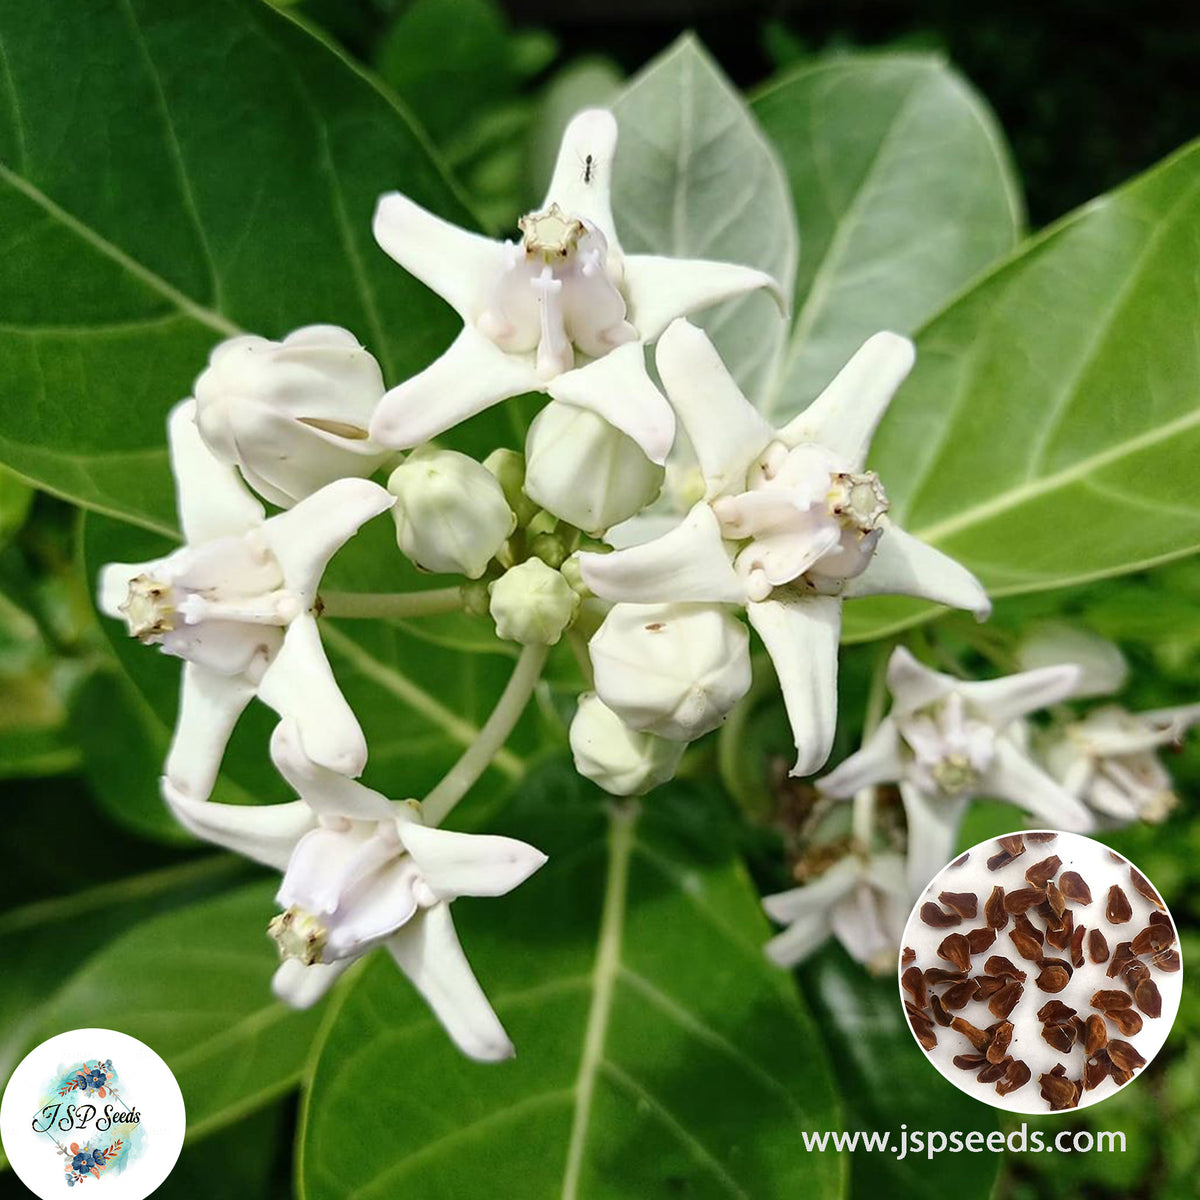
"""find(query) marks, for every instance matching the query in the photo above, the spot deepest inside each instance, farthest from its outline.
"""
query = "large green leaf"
(194, 984)
(903, 191)
(696, 178)
(658, 1054)
(1050, 432)
(214, 169)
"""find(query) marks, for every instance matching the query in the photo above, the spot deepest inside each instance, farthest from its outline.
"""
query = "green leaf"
(696, 178)
(218, 174)
(658, 1053)
(904, 191)
(195, 985)
(886, 1082)
(1050, 432)
(16, 499)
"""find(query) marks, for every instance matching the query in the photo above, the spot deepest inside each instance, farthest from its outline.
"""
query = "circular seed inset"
(1040, 972)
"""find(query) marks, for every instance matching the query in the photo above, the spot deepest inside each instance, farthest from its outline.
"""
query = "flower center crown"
(149, 608)
(299, 935)
(857, 500)
(551, 235)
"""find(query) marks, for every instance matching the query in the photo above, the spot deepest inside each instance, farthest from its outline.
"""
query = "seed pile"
(1037, 976)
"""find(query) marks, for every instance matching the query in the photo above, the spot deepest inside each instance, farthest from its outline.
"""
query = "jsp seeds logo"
(114, 1115)
(97, 1140)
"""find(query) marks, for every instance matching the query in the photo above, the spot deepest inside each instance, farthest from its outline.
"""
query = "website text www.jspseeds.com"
(931, 1142)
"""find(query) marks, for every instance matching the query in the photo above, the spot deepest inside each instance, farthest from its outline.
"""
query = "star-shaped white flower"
(236, 602)
(946, 741)
(863, 902)
(790, 524)
(562, 311)
(361, 871)
(1109, 759)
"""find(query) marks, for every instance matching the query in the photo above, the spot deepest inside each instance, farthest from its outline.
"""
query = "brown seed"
(1127, 1020)
(1060, 1037)
(1080, 1027)
(962, 858)
(913, 982)
(1115, 856)
(1158, 918)
(907, 955)
(1056, 898)
(986, 986)
(999, 965)
(1040, 837)
(1166, 960)
(959, 995)
(1119, 909)
(994, 911)
(936, 975)
(1002, 859)
(922, 1026)
(966, 904)
(1023, 899)
(1095, 1071)
(1058, 1091)
(1053, 979)
(1060, 938)
(1096, 1037)
(1026, 946)
(975, 1036)
(1013, 844)
(997, 1049)
(1052, 920)
(1108, 999)
(1025, 925)
(940, 1015)
(994, 1071)
(1122, 956)
(1120, 1074)
(1145, 888)
(1006, 999)
(1097, 946)
(1148, 998)
(1042, 872)
(1055, 1011)
(937, 918)
(980, 939)
(969, 1062)
(1134, 973)
(1075, 887)
(955, 949)
(1016, 1076)
(1077, 959)
(1123, 1056)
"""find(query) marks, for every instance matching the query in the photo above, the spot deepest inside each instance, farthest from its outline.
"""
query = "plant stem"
(392, 604)
(863, 818)
(459, 779)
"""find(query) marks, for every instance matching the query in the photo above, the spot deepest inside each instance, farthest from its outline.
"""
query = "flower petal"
(877, 761)
(1001, 701)
(1017, 779)
(913, 685)
(307, 536)
(617, 387)
(300, 684)
(328, 792)
(469, 864)
(301, 986)
(473, 374)
(427, 950)
(659, 289)
(906, 566)
(815, 897)
(211, 499)
(845, 415)
(462, 267)
(266, 833)
(210, 704)
(932, 833)
(798, 940)
(689, 563)
(724, 428)
(383, 902)
(582, 182)
(1168, 725)
(801, 636)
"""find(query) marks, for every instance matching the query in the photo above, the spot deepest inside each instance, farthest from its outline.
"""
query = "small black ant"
(589, 165)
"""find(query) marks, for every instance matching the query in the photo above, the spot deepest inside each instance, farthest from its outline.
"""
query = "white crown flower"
(948, 740)
(236, 602)
(790, 524)
(563, 311)
(361, 871)
(862, 901)
(1109, 759)
(292, 416)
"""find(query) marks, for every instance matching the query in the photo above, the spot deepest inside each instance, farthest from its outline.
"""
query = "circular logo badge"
(92, 1108)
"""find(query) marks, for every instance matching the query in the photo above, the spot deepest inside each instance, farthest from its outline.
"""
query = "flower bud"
(509, 469)
(582, 469)
(451, 515)
(674, 670)
(532, 604)
(1102, 666)
(619, 759)
(292, 416)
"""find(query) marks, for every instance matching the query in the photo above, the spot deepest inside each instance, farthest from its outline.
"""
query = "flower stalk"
(399, 605)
